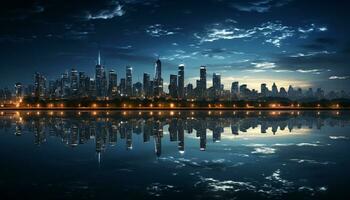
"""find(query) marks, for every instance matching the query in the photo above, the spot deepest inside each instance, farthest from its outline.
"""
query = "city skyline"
(248, 41)
(104, 85)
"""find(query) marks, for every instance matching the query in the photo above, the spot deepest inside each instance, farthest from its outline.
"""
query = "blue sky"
(302, 43)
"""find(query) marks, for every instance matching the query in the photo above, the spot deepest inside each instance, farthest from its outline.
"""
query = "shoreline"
(168, 108)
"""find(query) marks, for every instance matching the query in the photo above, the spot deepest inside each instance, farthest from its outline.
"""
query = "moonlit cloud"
(117, 11)
(158, 30)
(339, 77)
(274, 33)
(264, 65)
(313, 71)
(314, 53)
(259, 6)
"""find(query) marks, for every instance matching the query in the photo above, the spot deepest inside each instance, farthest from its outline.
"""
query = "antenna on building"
(99, 58)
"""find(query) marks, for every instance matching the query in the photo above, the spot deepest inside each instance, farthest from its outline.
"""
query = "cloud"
(116, 11)
(338, 77)
(312, 28)
(260, 6)
(264, 65)
(273, 33)
(313, 53)
(158, 30)
(313, 71)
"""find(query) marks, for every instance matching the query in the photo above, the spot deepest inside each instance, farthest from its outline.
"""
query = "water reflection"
(109, 128)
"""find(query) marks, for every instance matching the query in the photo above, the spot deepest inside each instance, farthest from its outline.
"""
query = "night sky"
(297, 42)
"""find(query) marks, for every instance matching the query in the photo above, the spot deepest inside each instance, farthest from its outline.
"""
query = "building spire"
(99, 58)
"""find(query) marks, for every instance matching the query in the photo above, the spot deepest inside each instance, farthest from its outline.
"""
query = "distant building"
(147, 90)
(181, 82)
(173, 87)
(158, 81)
(18, 90)
(128, 81)
(112, 83)
(39, 85)
(274, 90)
(101, 79)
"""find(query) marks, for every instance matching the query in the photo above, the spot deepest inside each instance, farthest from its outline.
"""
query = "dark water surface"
(172, 155)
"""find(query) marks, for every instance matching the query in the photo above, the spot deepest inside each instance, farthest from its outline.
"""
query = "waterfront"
(175, 154)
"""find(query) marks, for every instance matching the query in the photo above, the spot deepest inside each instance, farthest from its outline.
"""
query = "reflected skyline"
(110, 128)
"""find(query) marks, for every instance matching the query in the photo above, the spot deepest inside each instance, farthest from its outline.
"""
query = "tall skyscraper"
(112, 85)
(137, 89)
(100, 78)
(243, 91)
(264, 90)
(147, 85)
(181, 82)
(203, 82)
(122, 87)
(274, 90)
(158, 81)
(39, 85)
(64, 84)
(83, 84)
(128, 81)
(74, 82)
(173, 86)
(234, 89)
(18, 90)
(217, 84)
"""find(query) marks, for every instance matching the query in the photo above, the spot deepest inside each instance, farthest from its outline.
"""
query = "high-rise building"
(181, 82)
(264, 90)
(64, 85)
(101, 79)
(158, 81)
(217, 84)
(92, 87)
(274, 90)
(202, 82)
(243, 91)
(128, 81)
(137, 89)
(83, 84)
(147, 85)
(74, 82)
(39, 85)
(18, 90)
(290, 92)
(173, 88)
(283, 92)
(235, 89)
(112, 85)
(189, 91)
(122, 87)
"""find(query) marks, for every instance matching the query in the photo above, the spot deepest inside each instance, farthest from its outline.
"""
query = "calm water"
(172, 155)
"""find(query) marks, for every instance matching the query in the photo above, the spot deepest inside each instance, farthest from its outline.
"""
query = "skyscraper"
(158, 81)
(181, 82)
(173, 86)
(18, 90)
(122, 87)
(264, 90)
(202, 82)
(100, 78)
(83, 84)
(147, 85)
(128, 81)
(217, 84)
(74, 82)
(234, 89)
(274, 90)
(112, 85)
(39, 85)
